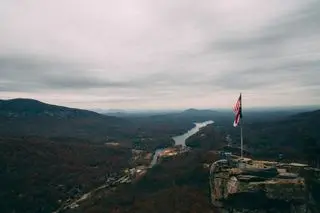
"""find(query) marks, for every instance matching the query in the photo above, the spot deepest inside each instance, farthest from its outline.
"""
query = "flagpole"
(241, 123)
(241, 140)
(238, 119)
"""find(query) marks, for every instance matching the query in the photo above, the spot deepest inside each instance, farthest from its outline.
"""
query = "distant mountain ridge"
(30, 107)
(31, 117)
(198, 111)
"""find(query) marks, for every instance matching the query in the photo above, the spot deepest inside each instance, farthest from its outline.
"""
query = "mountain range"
(20, 117)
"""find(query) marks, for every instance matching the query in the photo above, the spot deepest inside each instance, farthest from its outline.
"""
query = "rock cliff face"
(257, 187)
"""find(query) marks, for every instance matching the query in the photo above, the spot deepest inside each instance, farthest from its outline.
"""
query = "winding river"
(181, 139)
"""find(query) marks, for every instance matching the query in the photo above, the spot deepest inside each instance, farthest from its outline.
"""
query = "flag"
(237, 106)
(237, 111)
(236, 120)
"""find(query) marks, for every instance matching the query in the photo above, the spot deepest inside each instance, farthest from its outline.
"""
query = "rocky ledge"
(260, 186)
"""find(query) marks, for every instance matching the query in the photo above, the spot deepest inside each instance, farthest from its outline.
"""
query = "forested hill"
(19, 108)
(32, 117)
(296, 136)
(289, 135)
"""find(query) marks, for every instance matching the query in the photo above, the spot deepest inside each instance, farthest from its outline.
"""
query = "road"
(75, 203)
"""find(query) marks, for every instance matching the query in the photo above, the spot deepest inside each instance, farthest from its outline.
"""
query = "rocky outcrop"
(255, 187)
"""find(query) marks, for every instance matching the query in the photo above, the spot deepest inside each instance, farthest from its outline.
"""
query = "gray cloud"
(160, 54)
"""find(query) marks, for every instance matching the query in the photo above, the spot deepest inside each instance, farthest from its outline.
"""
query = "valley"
(111, 166)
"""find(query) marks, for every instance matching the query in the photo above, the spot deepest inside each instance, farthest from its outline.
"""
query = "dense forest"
(178, 184)
(37, 174)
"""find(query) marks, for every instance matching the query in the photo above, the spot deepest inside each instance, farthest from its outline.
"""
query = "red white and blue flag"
(237, 111)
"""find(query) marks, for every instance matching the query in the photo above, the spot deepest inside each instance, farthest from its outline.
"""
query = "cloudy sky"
(161, 54)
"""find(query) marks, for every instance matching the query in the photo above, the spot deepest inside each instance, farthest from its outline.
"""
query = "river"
(181, 139)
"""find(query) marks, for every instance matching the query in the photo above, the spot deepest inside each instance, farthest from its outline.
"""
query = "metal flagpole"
(241, 140)
(241, 123)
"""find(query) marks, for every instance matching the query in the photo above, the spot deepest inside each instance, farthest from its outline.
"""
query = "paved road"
(124, 179)
(75, 203)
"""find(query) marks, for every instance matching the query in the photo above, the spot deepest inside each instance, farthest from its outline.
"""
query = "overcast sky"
(161, 53)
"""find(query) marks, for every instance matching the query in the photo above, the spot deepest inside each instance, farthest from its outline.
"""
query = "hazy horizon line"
(128, 110)
(300, 107)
